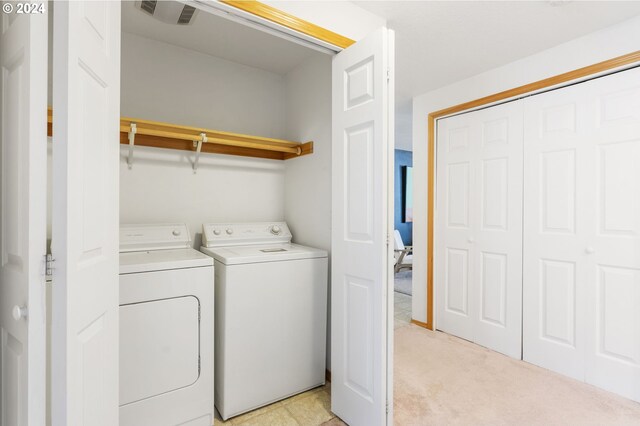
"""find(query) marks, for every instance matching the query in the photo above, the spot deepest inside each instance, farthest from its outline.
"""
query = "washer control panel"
(235, 234)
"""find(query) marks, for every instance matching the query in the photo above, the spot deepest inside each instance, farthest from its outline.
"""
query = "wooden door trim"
(557, 80)
(292, 22)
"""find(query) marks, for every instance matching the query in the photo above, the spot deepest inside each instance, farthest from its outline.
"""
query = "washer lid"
(162, 260)
(154, 237)
(259, 253)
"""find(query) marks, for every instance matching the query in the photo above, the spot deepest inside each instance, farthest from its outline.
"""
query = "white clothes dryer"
(166, 328)
(271, 314)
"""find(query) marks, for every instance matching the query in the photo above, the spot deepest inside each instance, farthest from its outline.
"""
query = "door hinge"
(199, 364)
(199, 313)
(388, 74)
(48, 261)
(386, 407)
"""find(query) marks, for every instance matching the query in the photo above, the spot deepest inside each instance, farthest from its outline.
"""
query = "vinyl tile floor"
(311, 408)
(402, 304)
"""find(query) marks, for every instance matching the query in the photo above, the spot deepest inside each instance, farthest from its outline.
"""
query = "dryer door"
(159, 347)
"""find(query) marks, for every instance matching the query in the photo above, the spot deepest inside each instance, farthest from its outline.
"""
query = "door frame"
(618, 63)
(292, 28)
(276, 22)
(291, 23)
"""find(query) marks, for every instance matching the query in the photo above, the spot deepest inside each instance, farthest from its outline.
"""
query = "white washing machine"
(271, 314)
(166, 328)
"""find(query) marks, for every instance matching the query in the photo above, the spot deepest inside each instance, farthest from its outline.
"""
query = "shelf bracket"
(198, 145)
(132, 139)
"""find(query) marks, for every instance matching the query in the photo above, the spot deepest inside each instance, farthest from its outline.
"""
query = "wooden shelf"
(173, 136)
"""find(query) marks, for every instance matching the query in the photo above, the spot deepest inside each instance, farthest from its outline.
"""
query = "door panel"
(558, 298)
(85, 212)
(479, 227)
(493, 285)
(360, 253)
(454, 268)
(458, 195)
(618, 187)
(558, 191)
(495, 206)
(457, 281)
(617, 299)
(554, 268)
(498, 235)
(582, 232)
(613, 239)
(23, 165)
(358, 153)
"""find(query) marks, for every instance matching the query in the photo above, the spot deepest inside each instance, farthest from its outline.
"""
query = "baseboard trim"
(421, 324)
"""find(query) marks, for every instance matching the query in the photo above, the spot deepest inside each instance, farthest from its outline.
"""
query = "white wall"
(163, 82)
(308, 179)
(592, 48)
(167, 83)
(341, 17)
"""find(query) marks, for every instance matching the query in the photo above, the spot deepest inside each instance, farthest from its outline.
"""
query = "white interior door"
(582, 232)
(554, 231)
(613, 313)
(86, 105)
(453, 230)
(360, 230)
(23, 167)
(479, 227)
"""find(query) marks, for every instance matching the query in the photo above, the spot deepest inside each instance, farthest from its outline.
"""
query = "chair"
(403, 255)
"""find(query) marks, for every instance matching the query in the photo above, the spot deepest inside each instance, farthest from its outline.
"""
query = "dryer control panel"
(154, 237)
(236, 234)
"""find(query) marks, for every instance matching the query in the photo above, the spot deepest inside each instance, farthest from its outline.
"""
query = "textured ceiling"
(213, 35)
(441, 42)
(437, 42)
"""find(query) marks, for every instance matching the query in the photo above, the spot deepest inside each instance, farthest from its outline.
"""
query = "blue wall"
(402, 158)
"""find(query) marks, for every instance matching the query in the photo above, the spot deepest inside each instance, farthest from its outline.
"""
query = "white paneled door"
(479, 227)
(362, 144)
(555, 242)
(582, 232)
(23, 165)
(86, 105)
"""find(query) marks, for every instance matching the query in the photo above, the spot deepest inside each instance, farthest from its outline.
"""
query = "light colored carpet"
(442, 380)
(402, 282)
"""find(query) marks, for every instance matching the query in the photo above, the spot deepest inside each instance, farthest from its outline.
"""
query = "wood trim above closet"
(173, 136)
(557, 80)
(290, 21)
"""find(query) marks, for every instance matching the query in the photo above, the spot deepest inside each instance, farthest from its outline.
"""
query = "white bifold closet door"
(362, 110)
(479, 227)
(85, 193)
(582, 232)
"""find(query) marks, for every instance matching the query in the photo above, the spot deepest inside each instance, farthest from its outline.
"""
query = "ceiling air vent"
(148, 6)
(186, 15)
(170, 12)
